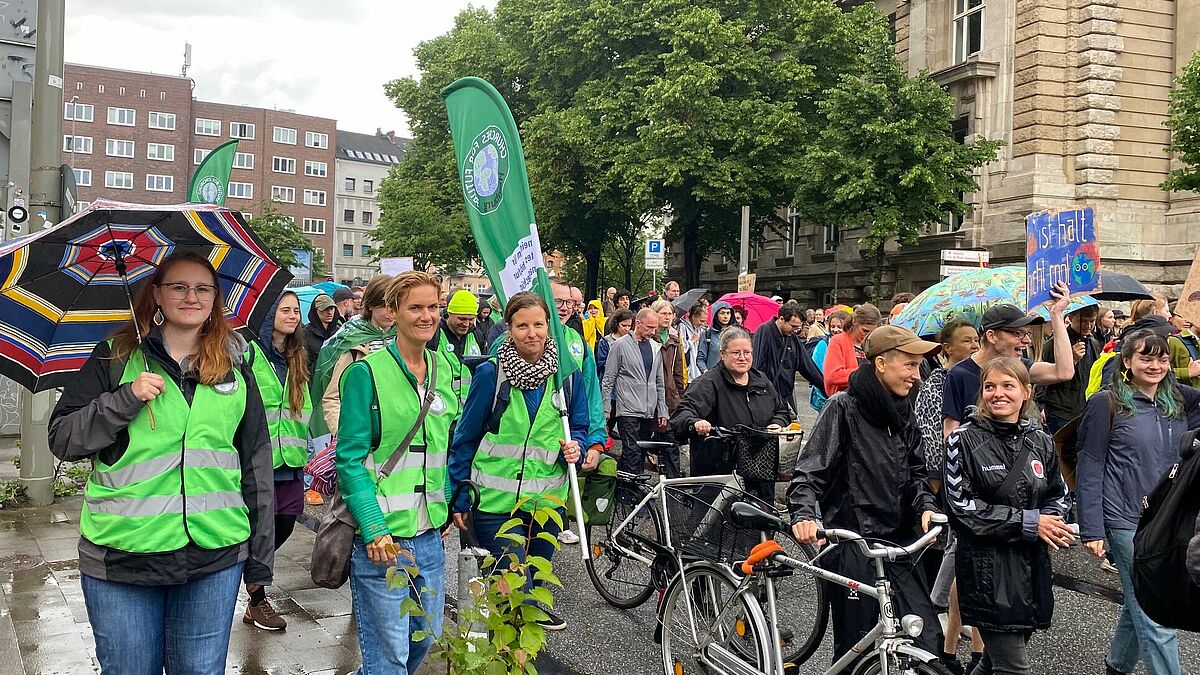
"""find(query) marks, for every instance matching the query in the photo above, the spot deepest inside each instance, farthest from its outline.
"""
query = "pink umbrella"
(758, 309)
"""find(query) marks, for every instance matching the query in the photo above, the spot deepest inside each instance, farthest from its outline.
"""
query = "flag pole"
(573, 479)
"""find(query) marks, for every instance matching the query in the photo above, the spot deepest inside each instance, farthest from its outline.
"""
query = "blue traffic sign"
(654, 246)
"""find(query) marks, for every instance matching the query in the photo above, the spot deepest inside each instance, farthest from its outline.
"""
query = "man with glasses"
(1064, 401)
(1005, 332)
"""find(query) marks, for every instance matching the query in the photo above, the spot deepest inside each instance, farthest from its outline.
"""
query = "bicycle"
(657, 529)
(725, 628)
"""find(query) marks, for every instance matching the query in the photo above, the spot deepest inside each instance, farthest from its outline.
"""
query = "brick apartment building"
(138, 137)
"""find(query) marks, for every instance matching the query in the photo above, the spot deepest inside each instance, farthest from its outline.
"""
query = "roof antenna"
(187, 58)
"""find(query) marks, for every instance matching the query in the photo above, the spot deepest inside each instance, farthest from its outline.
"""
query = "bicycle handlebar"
(876, 550)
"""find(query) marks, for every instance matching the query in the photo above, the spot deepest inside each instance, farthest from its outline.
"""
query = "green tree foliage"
(281, 235)
(883, 156)
(411, 223)
(1184, 122)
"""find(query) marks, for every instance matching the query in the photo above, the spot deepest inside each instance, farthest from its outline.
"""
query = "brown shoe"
(313, 498)
(263, 616)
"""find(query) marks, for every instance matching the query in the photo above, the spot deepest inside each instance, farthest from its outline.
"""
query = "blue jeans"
(1137, 635)
(487, 525)
(140, 630)
(383, 630)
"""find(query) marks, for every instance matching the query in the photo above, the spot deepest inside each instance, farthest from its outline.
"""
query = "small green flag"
(491, 166)
(210, 183)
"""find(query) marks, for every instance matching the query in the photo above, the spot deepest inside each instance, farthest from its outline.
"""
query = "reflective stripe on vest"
(177, 483)
(289, 432)
(413, 496)
(461, 373)
(521, 460)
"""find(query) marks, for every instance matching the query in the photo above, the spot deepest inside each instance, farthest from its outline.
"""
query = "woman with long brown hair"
(177, 510)
(279, 362)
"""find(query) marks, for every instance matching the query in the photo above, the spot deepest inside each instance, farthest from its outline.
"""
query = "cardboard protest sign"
(1060, 246)
(1189, 299)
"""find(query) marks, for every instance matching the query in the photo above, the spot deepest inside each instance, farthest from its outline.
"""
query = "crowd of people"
(204, 444)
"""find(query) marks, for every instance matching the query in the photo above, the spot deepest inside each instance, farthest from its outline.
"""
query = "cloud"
(316, 57)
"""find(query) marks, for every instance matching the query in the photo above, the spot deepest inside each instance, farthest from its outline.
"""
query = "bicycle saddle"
(747, 516)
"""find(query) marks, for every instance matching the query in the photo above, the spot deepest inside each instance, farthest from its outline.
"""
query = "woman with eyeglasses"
(178, 510)
(729, 394)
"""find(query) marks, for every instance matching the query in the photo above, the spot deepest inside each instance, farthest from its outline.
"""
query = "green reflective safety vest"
(413, 496)
(289, 432)
(519, 461)
(461, 381)
(178, 482)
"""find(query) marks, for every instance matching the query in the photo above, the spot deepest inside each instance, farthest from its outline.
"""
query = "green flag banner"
(210, 183)
(491, 166)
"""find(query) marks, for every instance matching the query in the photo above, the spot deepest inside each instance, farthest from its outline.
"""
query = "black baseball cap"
(342, 294)
(1008, 317)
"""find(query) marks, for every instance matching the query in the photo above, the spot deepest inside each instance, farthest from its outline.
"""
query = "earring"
(158, 317)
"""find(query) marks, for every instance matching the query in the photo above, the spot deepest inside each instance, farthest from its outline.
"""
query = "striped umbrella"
(66, 288)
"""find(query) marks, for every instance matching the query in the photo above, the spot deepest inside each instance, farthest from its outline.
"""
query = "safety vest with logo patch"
(177, 482)
(289, 431)
(413, 496)
(462, 374)
(519, 459)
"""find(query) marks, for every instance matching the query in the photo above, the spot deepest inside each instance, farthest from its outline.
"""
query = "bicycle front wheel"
(622, 581)
(802, 607)
(708, 628)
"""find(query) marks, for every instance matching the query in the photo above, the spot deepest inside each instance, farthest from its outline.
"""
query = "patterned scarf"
(523, 374)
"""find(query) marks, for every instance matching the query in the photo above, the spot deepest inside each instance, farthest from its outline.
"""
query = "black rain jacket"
(1003, 568)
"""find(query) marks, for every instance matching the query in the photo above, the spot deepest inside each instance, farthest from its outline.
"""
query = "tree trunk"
(877, 276)
(592, 259)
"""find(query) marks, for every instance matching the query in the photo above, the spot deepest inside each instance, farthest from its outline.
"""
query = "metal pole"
(744, 251)
(74, 115)
(45, 185)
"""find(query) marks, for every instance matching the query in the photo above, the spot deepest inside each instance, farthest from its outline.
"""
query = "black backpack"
(1164, 589)
(807, 367)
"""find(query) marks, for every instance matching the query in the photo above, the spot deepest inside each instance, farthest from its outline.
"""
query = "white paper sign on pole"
(394, 266)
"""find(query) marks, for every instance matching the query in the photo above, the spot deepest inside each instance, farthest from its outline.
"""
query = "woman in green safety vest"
(279, 362)
(509, 441)
(178, 509)
(391, 464)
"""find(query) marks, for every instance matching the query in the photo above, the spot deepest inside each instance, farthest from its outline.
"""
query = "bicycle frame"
(886, 634)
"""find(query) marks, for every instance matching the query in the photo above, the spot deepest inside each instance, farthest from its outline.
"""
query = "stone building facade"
(363, 161)
(1078, 91)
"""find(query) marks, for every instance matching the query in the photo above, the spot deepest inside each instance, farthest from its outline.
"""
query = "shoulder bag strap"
(1016, 470)
(402, 448)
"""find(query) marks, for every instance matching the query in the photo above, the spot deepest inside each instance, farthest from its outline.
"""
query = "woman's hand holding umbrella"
(148, 386)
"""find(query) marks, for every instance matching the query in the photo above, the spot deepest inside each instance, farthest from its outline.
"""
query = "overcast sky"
(317, 57)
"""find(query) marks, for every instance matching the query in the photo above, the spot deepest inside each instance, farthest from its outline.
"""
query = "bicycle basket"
(700, 522)
(757, 455)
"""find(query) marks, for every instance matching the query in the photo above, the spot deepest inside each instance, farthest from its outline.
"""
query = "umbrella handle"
(146, 363)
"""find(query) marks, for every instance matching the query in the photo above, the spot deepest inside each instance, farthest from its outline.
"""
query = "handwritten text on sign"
(1060, 246)
(522, 265)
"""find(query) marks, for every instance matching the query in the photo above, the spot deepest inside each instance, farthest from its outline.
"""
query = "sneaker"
(568, 537)
(1108, 567)
(313, 498)
(552, 622)
(263, 616)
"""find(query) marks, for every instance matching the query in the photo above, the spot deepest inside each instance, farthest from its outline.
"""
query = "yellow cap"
(463, 302)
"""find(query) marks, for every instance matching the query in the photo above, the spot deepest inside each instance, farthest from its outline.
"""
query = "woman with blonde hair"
(177, 511)
(393, 440)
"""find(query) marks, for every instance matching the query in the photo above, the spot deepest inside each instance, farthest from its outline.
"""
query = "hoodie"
(708, 354)
(316, 333)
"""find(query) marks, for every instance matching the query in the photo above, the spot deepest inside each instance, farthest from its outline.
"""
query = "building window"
(243, 160)
(122, 92)
(368, 218)
(159, 183)
(283, 165)
(80, 112)
(366, 251)
(163, 152)
(83, 144)
(159, 120)
(315, 140)
(122, 116)
(348, 216)
(118, 180)
(314, 197)
(368, 186)
(285, 135)
(141, 93)
(83, 177)
(831, 236)
(99, 89)
(313, 226)
(319, 169)
(241, 191)
(349, 185)
(950, 221)
(968, 29)
(287, 195)
(78, 86)
(793, 232)
(115, 148)
(347, 250)
(241, 130)
(199, 154)
(206, 127)
(162, 95)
